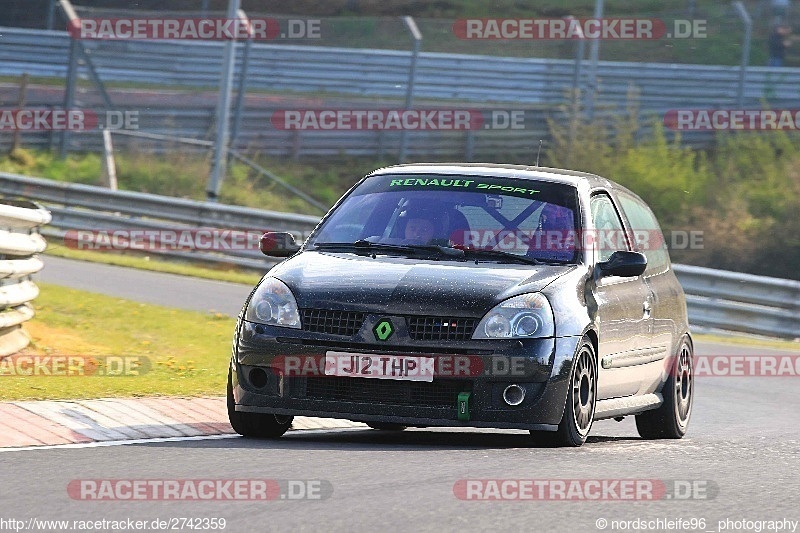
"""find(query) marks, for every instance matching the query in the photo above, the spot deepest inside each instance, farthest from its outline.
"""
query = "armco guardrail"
(76, 206)
(384, 73)
(716, 299)
(536, 85)
(19, 244)
(176, 114)
(741, 302)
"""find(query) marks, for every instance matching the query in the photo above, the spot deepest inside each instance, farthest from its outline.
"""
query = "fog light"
(258, 378)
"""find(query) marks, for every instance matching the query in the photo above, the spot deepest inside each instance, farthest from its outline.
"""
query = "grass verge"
(744, 340)
(182, 353)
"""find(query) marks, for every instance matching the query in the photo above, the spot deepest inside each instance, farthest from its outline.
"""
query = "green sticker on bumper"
(463, 405)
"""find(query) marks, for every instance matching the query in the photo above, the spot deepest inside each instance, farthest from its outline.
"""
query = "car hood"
(399, 285)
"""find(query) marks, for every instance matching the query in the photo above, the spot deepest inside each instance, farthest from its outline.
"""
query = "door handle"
(646, 308)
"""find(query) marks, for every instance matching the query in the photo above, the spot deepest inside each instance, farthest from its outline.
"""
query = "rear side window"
(647, 233)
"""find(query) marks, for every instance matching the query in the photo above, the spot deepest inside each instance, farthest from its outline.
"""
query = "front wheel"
(255, 425)
(671, 420)
(580, 404)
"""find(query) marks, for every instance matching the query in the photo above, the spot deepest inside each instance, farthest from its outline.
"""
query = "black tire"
(386, 426)
(671, 420)
(255, 425)
(576, 423)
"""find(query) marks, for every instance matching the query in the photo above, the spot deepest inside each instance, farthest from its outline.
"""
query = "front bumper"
(278, 370)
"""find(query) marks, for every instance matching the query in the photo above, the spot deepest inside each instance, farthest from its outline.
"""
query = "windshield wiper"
(366, 246)
(446, 251)
(498, 254)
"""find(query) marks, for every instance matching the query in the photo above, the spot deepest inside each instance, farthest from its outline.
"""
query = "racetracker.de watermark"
(513, 241)
(579, 28)
(523, 241)
(120, 524)
(584, 489)
(209, 29)
(199, 489)
(162, 240)
(74, 365)
(756, 365)
(732, 119)
(405, 366)
(398, 119)
(44, 119)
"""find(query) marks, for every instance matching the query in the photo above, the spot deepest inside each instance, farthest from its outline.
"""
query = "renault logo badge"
(383, 329)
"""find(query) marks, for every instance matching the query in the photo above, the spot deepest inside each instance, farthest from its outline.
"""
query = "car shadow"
(370, 439)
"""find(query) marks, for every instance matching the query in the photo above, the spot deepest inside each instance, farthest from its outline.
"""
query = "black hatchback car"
(470, 295)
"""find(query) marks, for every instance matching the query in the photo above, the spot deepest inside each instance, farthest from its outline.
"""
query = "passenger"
(554, 237)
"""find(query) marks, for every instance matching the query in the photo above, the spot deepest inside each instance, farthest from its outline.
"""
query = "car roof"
(556, 175)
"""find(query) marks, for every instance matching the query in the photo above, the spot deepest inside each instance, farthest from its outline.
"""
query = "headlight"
(525, 316)
(273, 304)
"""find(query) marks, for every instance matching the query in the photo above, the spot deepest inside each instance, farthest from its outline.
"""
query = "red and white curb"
(55, 422)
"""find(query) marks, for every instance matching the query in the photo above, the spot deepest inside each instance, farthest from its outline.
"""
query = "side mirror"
(624, 264)
(278, 244)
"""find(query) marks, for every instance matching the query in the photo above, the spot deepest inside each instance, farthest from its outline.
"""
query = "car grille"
(438, 393)
(331, 321)
(420, 328)
(431, 328)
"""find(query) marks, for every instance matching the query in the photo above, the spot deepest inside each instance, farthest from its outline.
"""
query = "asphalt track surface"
(193, 294)
(742, 456)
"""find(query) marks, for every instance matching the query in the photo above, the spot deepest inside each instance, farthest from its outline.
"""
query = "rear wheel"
(255, 425)
(386, 426)
(671, 420)
(580, 404)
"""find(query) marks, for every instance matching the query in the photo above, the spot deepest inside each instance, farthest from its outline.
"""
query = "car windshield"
(525, 218)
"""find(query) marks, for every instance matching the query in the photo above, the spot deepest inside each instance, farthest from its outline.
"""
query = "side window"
(610, 233)
(342, 226)
(646, 233)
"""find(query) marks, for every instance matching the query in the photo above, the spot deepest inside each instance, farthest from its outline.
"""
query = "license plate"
(377, 366)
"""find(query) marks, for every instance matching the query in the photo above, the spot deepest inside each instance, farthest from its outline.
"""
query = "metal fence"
(19, 244)
(716, 299)
(318, 75)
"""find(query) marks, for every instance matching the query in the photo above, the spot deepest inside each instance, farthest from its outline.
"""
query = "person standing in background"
(779, 41)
